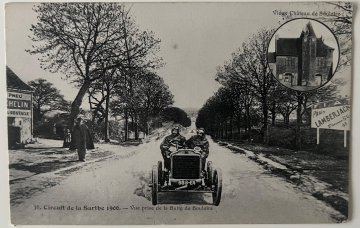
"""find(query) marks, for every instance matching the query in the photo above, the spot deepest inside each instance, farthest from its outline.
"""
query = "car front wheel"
(217, 187)
(155, 185)
(209, 174)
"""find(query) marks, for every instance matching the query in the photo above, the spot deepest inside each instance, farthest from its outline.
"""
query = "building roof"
(287, 46)
(14, 82)
(291, 47)
(322, 48)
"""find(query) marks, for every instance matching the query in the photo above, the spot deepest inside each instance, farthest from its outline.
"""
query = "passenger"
(175, 139)
(199, 140)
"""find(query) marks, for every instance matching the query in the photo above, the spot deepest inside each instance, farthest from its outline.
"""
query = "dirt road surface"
(115, 191)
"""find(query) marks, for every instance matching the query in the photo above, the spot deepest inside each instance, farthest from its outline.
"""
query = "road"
(250, 195)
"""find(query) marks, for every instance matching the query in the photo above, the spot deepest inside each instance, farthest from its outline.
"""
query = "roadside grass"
(332, 168)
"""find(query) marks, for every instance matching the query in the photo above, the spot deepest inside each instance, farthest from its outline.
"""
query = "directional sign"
(331, 115)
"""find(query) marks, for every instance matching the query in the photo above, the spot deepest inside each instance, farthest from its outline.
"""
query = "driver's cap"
(201, 131)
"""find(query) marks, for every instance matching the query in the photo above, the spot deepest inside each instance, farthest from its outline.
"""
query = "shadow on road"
(182, 198)
(41, 167)
(49, 150)
(167, 197)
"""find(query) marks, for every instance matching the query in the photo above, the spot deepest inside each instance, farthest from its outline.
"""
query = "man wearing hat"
(174, 139)
(199, 140)
(81, 138)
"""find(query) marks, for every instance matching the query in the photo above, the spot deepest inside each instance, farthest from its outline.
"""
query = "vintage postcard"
(178, 113)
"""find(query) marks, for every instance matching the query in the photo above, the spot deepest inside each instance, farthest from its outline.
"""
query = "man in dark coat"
(81, 139)
(199, 140)
(171, 140)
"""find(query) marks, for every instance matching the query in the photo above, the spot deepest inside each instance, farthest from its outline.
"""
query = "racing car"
(186, 175)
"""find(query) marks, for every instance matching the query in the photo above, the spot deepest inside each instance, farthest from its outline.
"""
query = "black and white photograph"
(308, 59)
(147, 113)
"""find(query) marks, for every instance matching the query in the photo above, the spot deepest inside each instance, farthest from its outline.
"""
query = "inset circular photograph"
(303, 54)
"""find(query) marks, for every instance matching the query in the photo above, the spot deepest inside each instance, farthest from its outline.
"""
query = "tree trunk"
(126, 116)
(106, 130)
(136, 128)
(273, 118)
(222, 130)
(265, 121)
(132, 123)
(231, 127)
(248, 122)
(75, 105)
(147, 128)
(273, 113)
(239, 125)
(287, 119)
(298, 122)
(38, 113)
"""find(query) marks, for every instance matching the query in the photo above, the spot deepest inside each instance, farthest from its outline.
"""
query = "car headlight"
(172, 149)
(197, 149)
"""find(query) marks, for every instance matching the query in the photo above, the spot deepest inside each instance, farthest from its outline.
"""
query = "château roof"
(321, 48)
(288, 46)
(292, 46)
(309, 30)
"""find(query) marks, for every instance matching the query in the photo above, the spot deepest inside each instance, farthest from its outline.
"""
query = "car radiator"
(186, 167)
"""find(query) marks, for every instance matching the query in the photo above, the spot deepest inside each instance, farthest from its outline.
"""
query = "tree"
(46, 98)
(176, 115)
(155, 96)
(216, 116)
(248, 67)
(84, 40)
(286, 102)
(99, 99)
(341, 24)
(240, 93)
(149, 97)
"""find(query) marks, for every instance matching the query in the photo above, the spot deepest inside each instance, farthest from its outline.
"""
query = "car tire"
(217, 187)
(209, 174)
(160, 173)
(155, 185)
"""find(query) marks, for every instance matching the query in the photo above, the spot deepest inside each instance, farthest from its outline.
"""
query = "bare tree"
(341, 24)
(149, 96)
(248, 67)
(84, 40)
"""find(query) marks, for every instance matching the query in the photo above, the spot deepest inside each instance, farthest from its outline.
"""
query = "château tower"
(308, 46)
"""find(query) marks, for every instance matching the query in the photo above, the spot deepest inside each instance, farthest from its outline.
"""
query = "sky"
(196, 38)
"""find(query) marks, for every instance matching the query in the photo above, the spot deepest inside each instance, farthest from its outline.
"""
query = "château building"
(303, 63)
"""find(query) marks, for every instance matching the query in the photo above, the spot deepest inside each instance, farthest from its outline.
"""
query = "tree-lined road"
(250, 195)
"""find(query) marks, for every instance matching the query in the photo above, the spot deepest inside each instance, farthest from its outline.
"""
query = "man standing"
(200, 140)
(174, 139)
(82, 139)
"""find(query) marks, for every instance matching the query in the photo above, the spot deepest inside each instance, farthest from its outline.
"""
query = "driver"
(174, 139)
(199, 140)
